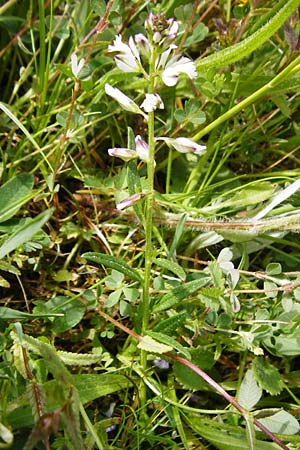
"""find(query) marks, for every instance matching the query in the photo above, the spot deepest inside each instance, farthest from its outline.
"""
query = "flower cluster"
(168, 64)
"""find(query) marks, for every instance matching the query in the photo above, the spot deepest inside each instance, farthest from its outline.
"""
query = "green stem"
(145, 303)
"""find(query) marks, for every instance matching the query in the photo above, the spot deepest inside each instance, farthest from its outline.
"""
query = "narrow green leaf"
(180, 293)
(171, 266)
(114, 263)
(243, 48)
(25, 233)
(12, 314)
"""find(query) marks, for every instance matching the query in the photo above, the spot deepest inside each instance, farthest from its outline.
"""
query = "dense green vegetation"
(149, 224)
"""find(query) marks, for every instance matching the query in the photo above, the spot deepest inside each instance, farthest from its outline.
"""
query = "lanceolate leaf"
(25, 233)
(243, 48)
(171, 266)
(180, 293)
(114, 263)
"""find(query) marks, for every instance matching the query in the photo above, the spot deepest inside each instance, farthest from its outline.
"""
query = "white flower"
(184, 145)
(127, 58)
(123, 100)
(75, 65)
(176, 65)
(126, 154)
(152, 102)
(161, 61)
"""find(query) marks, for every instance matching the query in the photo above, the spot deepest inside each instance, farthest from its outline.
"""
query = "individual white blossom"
(75, 65)
(127, 57)
(142, 148)
(152, 102)
(184, 145)
(123, 100)
(126, 154)
(175, 66)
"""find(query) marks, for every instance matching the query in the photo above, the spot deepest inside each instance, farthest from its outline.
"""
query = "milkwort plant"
(154, 58)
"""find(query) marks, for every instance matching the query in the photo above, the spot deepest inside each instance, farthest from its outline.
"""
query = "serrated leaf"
(180, 293)
(168, 340)
(152, 346)
(171, 266)
(79, 359)
(114, 263)
(281, 422)
(267, 376)
(249, 393)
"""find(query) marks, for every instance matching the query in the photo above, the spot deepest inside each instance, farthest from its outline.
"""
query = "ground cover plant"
(149, 224)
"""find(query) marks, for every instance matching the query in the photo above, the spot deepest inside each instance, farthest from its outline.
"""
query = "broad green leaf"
(13, 194)
(180, 293)
(25, 233)
(114, 263)
(281, 422)
(267, 376)
(72, 312)
(249, 393)
(271, 289)
(274, 269)
(168, 340)
(152, 346)
(171, 266)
